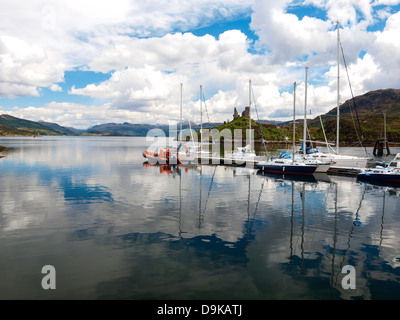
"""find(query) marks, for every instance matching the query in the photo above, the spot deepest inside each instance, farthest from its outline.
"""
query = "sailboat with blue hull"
(384, 176)
(286, 166)
(290, 166)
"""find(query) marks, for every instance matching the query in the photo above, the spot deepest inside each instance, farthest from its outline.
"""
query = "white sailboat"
(294, 165)
(322, 165)
(195, 149)
(341, 161)
(388, 175)
(246, 152)
(301, 157)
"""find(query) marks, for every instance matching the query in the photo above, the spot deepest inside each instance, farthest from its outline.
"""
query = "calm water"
(114, 228)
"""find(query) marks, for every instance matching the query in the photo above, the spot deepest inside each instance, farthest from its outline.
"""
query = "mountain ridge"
(379, 101)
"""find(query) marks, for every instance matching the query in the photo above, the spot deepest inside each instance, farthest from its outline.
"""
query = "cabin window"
(393, 164)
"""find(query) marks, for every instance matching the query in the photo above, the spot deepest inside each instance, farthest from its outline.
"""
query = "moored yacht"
(286, 166)
(341, 160)
(389, 175)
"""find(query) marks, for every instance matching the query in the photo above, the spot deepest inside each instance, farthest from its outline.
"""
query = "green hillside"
(270, 132)
(369, 107)
(10, 126)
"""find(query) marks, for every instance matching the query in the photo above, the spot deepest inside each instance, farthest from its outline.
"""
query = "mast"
(180, 135)
(201, 117)
(305, 117)
(385, 143)
(249, 111)
(294, 120)
(338, 91)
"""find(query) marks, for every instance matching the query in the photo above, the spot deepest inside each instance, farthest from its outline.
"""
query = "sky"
(88, 62)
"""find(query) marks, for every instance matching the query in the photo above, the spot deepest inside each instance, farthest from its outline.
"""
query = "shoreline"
(276, 142)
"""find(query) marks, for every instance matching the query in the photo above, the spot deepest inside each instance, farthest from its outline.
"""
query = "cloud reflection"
(189, 231)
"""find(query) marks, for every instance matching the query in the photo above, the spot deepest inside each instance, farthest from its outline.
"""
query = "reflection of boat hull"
(282, 167)
(164, 168)
(293, 177)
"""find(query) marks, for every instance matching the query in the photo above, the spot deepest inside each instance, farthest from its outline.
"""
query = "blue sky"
(76, 78)
(124, 61)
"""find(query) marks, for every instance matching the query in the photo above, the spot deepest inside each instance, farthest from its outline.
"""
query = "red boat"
(164, 156)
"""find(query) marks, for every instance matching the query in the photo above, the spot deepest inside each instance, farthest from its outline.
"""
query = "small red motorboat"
(164, 156)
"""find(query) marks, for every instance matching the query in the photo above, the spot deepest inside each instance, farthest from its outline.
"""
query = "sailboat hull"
(392, 180)
(287, 168)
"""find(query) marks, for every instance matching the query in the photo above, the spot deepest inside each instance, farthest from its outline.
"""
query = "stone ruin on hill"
(245, 113)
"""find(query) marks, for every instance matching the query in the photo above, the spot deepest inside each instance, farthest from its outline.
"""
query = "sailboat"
(322, 166)
(388, 176)
(341, 161)
(246, 152)
(383, 175)
(288, 166)
(196, 151)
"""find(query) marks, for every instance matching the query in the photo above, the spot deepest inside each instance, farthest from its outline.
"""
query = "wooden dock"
(250, 163)
(344, 171)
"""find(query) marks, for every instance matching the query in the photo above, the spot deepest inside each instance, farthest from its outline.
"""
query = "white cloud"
(296, 42)
(146, 48)
(174, 59)
(55, 88)
(71, 114)
(385, 2)
(24, 67)
(347, 11)
(384, 55)
(43, 39)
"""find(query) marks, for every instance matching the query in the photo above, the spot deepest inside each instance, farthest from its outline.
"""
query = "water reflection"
(320, 241)
(115, 228)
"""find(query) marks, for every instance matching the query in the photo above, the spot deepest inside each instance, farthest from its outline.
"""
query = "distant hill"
(121, 129)
(140, 130)
(61, 129)
(372, 103)
(370, 108)
(10, 125)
